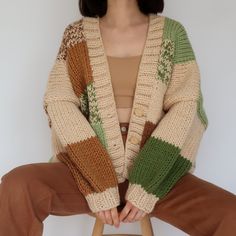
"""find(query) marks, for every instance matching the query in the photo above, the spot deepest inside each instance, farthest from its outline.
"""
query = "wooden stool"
(145, 224)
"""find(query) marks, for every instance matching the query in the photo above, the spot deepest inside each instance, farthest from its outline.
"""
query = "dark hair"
(95, 8)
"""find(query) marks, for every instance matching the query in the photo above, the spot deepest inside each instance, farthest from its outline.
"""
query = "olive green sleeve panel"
(176, 32)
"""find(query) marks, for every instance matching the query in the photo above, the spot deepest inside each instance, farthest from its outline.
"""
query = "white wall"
(30, 36)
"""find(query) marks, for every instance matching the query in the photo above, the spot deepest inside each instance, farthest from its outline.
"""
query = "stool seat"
(145, 225)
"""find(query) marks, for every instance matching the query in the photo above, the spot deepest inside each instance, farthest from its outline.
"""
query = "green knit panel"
(158, 166)
(97, 127)
(94, 116)
(171, 28)
(175, 31)
(201, 110)
(180, 168)
(84, 105)
(89, 106)
(165, 63)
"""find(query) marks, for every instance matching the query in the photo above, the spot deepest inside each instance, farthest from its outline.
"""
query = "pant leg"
(29, 193)
(198, 208)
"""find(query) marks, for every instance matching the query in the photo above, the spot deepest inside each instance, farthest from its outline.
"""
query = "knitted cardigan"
(166, 125)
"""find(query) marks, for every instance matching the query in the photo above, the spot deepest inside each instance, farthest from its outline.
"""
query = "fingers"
(108, 217)
(134, 213)
(131, 215)
(125, 211)
(115, 218)
(140, 214)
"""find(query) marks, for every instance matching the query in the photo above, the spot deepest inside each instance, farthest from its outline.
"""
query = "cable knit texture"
(167, 119)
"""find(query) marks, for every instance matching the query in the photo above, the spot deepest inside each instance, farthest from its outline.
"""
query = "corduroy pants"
(30, 193)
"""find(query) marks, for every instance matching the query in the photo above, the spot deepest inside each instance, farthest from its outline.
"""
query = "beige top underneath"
(124, 71)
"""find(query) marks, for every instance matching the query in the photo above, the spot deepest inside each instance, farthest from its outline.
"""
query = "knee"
(229, 207)
(16, 179)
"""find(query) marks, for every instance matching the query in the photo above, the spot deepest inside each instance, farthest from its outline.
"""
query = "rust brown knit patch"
(79, 68)
(73, 34)
(92, 160)
(148, 129)
(75, 68)
(82, 184)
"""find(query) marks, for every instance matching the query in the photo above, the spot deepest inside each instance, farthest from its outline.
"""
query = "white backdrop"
(31, 32)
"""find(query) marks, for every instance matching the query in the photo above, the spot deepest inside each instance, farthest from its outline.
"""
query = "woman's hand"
(131, 213)
(109, 216)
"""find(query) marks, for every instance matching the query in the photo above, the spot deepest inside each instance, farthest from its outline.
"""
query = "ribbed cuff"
(140, 198)
(104, 200)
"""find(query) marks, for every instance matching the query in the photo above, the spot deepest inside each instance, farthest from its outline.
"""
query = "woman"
(125, 82)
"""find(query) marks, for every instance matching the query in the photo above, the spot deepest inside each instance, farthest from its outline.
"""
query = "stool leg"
(98, 227)
(146, 226)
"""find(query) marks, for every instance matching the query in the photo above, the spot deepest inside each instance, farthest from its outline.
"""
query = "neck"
(127, 10)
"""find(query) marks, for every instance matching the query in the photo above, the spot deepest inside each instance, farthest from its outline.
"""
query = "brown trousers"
(29, 193)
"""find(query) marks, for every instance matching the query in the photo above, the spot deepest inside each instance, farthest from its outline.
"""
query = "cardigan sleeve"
(85, 155)
(170, 151)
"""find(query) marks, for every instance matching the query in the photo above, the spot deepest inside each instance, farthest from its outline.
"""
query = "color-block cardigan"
(166, 125)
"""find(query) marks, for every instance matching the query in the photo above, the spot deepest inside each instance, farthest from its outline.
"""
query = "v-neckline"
(139, 66)
(145, 43)
(103, 84)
